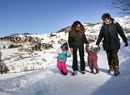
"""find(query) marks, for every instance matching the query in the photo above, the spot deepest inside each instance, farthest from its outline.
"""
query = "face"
(78, 26)
(65, 48)
(107, 21)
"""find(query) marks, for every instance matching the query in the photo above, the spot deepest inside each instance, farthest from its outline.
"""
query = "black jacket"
(109, 34)
(77, 40)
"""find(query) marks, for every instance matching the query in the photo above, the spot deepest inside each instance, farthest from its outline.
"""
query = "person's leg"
(90, 63)
(115, 62)
(65, 71)
(110, 61)
(59, 65)
(95, 65)
(75, 63)
(82, 62)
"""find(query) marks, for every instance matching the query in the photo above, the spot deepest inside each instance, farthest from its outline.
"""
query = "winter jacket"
(77, 40)
(62, 55)
(109, 34)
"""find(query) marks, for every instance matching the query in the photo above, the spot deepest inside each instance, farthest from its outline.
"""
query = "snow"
(36, 73)
(49, 81)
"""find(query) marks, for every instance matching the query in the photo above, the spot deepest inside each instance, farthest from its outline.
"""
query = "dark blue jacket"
(109, 34)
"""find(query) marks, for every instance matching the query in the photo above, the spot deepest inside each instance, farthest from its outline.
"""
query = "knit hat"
(94, 48)
(106, 15)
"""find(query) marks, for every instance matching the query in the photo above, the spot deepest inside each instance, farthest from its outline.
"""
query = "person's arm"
(70, 41)
(98, 49)
(100, 36)
(87, 48)
(68, 54)
(121, 33)
(85, 39)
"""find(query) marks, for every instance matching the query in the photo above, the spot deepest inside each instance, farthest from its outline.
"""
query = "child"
(61, 55)
(92, 57)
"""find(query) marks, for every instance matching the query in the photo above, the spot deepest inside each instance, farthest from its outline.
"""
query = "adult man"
(111, 43)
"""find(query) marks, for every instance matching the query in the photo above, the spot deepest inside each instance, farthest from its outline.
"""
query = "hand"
(126, 44)
(97, 44)
(71, 50)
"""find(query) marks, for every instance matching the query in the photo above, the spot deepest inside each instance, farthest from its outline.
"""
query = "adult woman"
(76, 42)
(111, 43)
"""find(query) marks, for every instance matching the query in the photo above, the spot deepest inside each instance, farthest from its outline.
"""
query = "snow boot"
(83, 72)
(116, 73)
(64, 73)
(74, 73)
(110, 69)
(92, 71)
(97, 71)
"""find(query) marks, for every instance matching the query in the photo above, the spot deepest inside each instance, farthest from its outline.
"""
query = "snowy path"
(50, 82)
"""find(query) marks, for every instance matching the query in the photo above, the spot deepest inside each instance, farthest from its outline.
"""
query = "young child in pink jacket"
(92, 57)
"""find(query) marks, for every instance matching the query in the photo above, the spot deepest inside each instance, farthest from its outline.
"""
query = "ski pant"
(113, 61)
(92, 61)
(75, 62)
(62, 66)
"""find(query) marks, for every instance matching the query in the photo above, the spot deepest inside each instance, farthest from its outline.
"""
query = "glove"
(126, 44)
(97, 44)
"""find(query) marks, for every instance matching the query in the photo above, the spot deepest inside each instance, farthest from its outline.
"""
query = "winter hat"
(106, 15)
(94, 48)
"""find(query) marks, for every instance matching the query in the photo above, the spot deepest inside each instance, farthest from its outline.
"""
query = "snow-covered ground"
(49, 81)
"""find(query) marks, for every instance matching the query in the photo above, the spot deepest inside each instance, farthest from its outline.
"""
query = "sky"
(45, 16)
